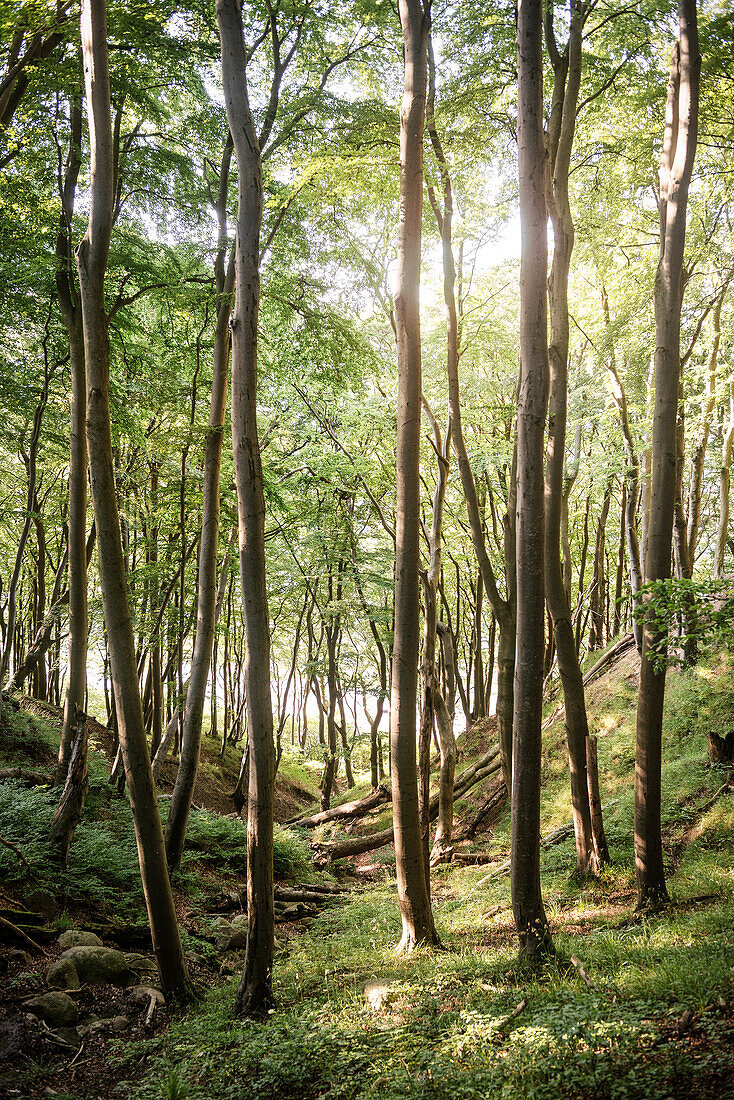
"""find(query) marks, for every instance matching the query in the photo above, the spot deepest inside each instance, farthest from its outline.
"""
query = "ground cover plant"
(630, 1005)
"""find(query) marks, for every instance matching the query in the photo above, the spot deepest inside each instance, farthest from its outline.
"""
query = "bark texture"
(566, 84)
(676, 166)
(255, 993)
(92, 261)
(206, 603)
(415, 907)
(527, 901)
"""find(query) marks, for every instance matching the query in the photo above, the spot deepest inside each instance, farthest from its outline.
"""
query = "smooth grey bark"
(676, 166)
(722, 532)
(415, 906)
(527, 901)
(433, 708)
(92, 262)
(72, 315)
(206, 605)
(632, 480)
(255, 993)
(566, 85)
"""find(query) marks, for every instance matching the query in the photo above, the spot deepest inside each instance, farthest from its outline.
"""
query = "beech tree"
(92, 256)
(566, 84)
(415, 906)
(676, 166)
(527, 901)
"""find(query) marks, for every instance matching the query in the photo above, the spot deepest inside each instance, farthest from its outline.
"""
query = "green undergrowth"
(652, 1017)
(103, 872)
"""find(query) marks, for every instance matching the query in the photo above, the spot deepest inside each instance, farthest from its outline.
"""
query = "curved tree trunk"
(567, 80)
(92, 261)
(71, 312)
(415, 906)
(255, 994)
(679, 149)
(527, 901)
(430, 691)
(722, 533)
(206, 604)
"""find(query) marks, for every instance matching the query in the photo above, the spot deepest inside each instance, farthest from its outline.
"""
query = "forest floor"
(630, 1006)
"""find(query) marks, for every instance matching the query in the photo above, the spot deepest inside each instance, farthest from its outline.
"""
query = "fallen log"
(488, 806)
(358, 808)
(355, 846)
(27, 776)
(557, 836)
(614, 653)
(7, 928)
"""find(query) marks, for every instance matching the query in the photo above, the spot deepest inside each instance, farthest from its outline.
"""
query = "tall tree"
(527, 901)
(255, 994)
(415, 906)
(676, 166)
(566, 85)
(92, 255)
(206, 603)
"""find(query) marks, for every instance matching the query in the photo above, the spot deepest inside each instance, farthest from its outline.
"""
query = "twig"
(582, 971)
(494, 911)
(151, 1011)
(513, 1015)
(19, 854)
(76, 1056)
(728, 786)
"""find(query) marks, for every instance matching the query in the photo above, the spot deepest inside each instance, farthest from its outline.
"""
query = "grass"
(103, 873)
(441, 1031)
(656, 1020)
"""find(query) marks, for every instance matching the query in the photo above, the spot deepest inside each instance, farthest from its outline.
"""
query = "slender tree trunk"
(631, 481)
(429, 673)
(598, 591)
(92, 261)
(156, 650)
(183, 790)
(693, 510)
(332, 746)
(254, 995)
(503, 609)
(679, 149)
(71, 311)
(68, 812)
(619, 581)
(415, 906)
(13, 597)
(722, 533)
(567, 80)
(527, 901)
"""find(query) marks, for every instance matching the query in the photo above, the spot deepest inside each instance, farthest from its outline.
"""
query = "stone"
(18, 957)
(120, 1023)
(197, 959)
(227, 937)
(98, 965)
(377, 994)
(77, 937)
(62, 975)
(56, 1009)
(141, 964)
(141, 995)
(68, 1035)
